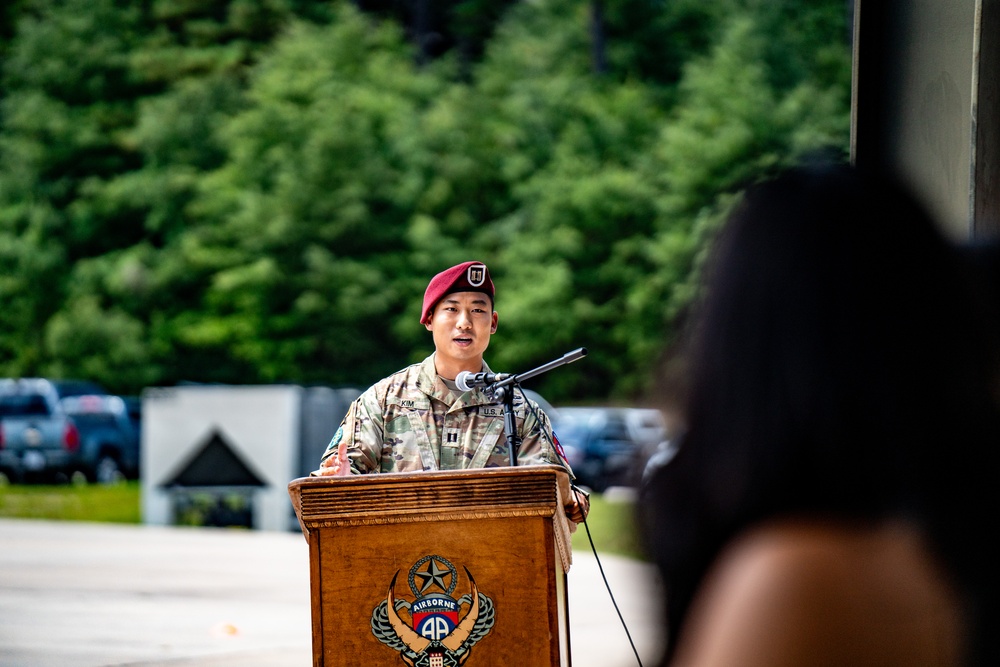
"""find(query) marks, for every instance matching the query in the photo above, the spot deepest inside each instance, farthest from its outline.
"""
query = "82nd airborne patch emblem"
(434, 635)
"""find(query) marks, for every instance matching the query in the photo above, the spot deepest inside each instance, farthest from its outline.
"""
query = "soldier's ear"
(493, 327)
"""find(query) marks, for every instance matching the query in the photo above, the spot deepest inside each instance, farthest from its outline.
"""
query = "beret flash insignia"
(476, 275)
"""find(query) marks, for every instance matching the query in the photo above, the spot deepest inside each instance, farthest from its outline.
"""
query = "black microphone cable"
(607, 585)
(559, 452)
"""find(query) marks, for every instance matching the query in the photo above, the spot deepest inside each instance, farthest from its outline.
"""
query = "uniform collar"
(432, 385)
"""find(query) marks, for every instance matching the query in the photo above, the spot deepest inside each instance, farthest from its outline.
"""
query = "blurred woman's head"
(827, 344)
(833, 367)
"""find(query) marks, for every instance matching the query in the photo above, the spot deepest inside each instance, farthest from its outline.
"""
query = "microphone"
(466, 380)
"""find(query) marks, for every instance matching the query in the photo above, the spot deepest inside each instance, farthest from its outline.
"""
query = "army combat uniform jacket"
(412, 421)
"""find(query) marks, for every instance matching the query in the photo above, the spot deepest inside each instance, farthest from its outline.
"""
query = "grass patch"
(612, 527)
(611, 519)
(118, 503)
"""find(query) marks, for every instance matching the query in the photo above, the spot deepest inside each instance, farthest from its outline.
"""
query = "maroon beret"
(465, 277)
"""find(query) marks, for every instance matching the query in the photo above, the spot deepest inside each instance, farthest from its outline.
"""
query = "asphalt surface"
(94, 595)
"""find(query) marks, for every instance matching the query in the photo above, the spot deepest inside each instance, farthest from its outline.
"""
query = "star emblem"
(432, 575)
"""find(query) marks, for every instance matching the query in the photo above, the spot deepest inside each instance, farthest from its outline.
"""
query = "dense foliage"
(258, 191)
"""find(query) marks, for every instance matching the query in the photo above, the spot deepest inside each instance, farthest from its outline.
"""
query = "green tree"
(106, 120)
(67, 92)
(651, 41)
(736, 121)
(303, 232)
(250, 191)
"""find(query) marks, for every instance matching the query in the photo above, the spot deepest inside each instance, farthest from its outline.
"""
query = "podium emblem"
(437, 634)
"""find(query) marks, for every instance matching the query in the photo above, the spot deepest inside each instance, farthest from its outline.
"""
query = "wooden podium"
(438, 568)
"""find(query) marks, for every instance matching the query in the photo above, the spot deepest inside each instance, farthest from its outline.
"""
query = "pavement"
(96, 595)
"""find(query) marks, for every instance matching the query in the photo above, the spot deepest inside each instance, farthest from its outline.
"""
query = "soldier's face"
(462, 324)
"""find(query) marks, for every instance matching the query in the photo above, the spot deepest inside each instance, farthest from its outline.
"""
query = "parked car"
(37, 438)
(109, 436)
(608, 446)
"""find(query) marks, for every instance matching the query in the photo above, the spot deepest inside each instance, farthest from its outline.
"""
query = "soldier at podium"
(419, 419)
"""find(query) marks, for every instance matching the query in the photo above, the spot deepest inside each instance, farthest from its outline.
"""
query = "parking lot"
(94, 595)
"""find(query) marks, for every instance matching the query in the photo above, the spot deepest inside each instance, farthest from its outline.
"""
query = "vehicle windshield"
(93, 404)
(93, 419)
(23, 405)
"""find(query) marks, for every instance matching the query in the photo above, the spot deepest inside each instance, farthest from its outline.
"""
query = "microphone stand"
(501, 391)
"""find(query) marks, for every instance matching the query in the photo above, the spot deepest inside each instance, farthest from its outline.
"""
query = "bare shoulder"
(798, 593)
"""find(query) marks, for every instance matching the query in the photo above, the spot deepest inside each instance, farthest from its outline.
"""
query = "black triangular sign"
(215, 464)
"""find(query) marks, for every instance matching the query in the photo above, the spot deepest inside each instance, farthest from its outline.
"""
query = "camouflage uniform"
(412, 421)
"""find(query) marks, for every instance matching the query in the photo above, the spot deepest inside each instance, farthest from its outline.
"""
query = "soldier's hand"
(335, 469)
(335, 466)
(578, 509)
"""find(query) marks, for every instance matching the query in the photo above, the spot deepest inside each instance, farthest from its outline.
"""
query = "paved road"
(94, 595)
